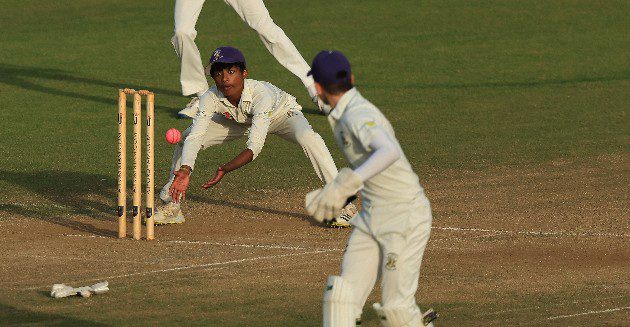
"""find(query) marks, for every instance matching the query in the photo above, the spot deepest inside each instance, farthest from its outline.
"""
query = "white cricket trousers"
(252, 12)
(291, 126)
(388, 241)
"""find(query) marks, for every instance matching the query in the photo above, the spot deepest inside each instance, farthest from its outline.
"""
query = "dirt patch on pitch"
(508, 245)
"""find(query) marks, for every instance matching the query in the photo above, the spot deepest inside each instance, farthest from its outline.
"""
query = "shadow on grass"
(67, 195)
(252, 207)
(26, 77)
(13, 316)
(70, 195)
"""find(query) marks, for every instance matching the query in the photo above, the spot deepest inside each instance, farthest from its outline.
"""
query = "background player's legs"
(192, 74)
(220, 130)
(256, 15)
(297, 130)
(360, 266)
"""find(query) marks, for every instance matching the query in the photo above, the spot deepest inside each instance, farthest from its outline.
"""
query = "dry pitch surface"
(546, 245)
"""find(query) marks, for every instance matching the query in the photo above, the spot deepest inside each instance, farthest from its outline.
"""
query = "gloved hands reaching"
(325, 203)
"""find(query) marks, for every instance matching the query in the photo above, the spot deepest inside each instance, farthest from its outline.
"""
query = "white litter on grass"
(62, 290)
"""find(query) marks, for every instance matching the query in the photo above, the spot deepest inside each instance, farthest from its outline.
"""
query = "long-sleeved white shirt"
(261, 103)
(356, 123)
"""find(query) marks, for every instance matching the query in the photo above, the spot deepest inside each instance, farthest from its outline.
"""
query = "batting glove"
(326, 203)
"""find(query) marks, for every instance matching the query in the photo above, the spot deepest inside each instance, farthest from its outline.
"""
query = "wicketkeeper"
(392, 229)
(235, 107)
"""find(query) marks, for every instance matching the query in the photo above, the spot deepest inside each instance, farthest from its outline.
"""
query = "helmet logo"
(216, 55)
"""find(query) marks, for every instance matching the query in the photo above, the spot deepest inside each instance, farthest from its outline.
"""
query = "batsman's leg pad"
(398, 317)
(339, 309)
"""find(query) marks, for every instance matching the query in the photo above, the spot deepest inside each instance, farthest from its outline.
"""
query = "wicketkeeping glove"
(326, 203)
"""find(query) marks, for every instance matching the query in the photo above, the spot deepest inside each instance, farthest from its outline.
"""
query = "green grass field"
(469, 86)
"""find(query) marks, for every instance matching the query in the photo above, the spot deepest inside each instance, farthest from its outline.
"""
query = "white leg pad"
(398, 317)
(338, 306)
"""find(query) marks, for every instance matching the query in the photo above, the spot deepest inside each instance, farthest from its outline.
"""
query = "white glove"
(326, 203)
(62, 290)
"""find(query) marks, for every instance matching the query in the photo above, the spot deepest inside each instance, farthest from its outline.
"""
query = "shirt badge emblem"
(392, 258)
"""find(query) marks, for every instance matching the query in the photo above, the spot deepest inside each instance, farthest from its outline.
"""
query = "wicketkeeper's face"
(230, 81)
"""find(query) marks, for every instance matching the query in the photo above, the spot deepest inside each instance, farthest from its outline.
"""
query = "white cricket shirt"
(354, 121)
(261, 103)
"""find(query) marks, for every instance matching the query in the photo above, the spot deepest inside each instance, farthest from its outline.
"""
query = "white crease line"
(588, 313)
(212, 264)
(534, 233)
(282, 247)
(88, 236)
(449, 248)
(61, 258)
(242, 245)
(552, 306)
(462, 238)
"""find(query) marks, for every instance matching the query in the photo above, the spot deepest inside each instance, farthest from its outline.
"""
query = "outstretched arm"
(239, 161)
(191, 147)
(257, 135)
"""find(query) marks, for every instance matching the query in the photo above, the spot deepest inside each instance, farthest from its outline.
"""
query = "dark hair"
(343, 86)
(219, 66)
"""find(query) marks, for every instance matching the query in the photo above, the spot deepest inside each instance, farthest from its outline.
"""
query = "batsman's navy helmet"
(330, 67)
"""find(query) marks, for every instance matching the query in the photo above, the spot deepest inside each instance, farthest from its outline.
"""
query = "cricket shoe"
(343, 221)
(191, 109)
(169, 213)
(428, 317)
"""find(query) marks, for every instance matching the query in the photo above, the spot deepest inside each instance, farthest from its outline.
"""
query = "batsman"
(392, 229)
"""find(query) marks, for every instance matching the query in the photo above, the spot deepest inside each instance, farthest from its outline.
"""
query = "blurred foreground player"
(393, 227)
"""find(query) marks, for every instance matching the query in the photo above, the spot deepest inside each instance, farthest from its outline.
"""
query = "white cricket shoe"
(169, 213)
(343, 221)
(191, 109)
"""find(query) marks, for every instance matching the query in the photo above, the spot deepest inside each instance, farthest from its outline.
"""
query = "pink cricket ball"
(173, 136)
